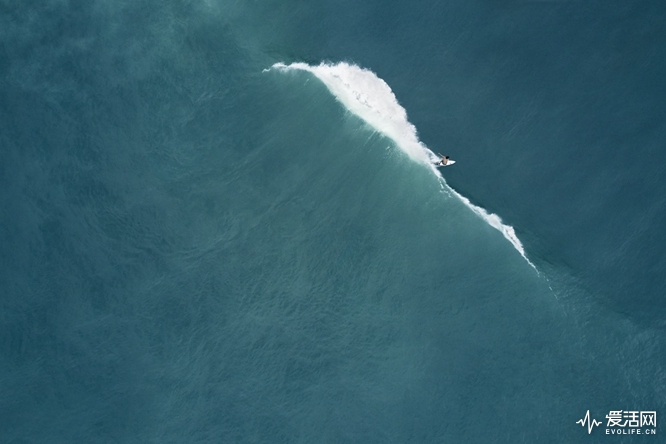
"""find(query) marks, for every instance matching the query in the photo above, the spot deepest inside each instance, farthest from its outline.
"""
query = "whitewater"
(369, 97)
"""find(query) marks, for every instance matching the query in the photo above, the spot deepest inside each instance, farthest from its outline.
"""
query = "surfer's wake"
(370, 98)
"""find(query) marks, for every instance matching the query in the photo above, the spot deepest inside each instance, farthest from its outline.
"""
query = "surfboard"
(439, 164)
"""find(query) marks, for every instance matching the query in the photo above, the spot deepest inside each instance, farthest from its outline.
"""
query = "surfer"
(444, 161)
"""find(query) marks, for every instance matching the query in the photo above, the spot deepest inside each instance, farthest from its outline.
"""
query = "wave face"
(369, 97)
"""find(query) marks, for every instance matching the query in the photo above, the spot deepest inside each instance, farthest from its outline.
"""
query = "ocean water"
(220, 222)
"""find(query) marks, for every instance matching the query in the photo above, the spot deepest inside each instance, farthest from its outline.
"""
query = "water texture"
(220, 221)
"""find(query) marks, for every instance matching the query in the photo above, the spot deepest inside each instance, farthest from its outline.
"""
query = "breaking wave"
(370, 98)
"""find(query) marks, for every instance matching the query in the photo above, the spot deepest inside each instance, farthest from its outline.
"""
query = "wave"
(370, 98)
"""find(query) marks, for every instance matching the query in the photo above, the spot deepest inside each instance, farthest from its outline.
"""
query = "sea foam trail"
(370, 98)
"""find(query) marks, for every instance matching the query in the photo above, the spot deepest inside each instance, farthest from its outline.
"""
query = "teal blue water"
(195, 250)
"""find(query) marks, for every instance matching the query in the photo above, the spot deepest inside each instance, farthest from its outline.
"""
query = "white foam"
(370, 98)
